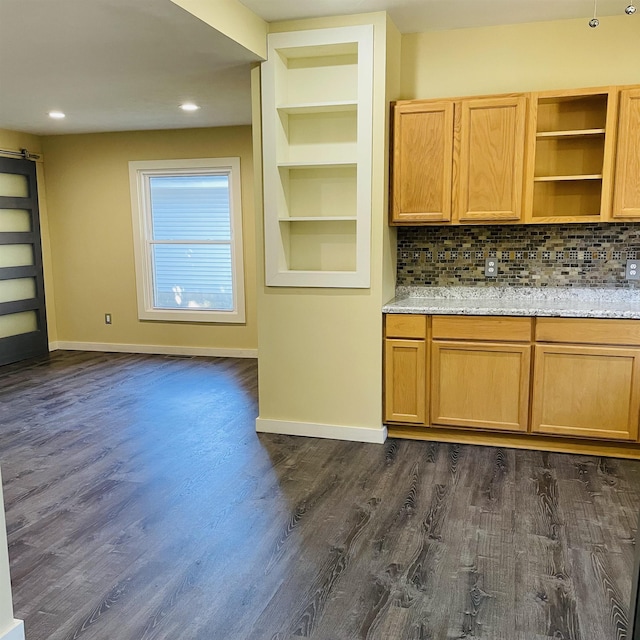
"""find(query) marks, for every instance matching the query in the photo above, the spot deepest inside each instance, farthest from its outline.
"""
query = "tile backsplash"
(584, 255)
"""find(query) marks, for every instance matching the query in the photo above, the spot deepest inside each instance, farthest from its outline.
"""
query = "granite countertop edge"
(517, 301)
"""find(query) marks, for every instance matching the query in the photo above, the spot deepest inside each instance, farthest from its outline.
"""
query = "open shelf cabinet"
(571, 137)
(317, 93)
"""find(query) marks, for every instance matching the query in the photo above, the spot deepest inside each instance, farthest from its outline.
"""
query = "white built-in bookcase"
(317, 92)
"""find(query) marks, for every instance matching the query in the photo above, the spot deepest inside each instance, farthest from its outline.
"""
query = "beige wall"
(14, 141)
(320, 350)
(233, 19)
(526, 57)
(91, 234)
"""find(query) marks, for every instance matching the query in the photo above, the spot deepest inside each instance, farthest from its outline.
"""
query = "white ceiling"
(117, 65)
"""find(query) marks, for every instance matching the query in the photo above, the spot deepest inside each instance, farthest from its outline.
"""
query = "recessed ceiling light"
(189, 106)
(57, 115)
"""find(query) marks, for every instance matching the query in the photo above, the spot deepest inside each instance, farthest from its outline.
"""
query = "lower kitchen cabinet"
(588, 391)
(481, 385)
(519, 380)
(405, 381)
(405, 377)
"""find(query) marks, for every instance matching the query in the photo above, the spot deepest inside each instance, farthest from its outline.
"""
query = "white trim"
(332, 431)
(139, 173)
(158, 349)
(16, 632)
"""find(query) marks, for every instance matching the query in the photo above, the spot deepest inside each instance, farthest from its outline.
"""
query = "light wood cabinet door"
(405, 381)
(422, 162)
(491, 160)
(626, 202)
(480, 385)
(586, 391)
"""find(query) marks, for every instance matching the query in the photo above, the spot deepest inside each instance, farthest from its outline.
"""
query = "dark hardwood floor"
(142, 505)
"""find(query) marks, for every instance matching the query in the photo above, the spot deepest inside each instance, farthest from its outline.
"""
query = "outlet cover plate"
(632, 271)
(491, 268)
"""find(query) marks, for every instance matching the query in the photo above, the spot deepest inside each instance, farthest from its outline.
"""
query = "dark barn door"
(23, 327)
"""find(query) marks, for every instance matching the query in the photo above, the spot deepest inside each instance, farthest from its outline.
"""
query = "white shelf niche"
(315, 74)
(309, 134)
(317, 191)
(317, 91)
(319, 246)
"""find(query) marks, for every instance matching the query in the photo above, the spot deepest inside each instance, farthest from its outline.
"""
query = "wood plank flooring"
(141, 505)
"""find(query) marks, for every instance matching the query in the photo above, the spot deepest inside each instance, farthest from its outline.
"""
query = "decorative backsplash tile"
(584, 255)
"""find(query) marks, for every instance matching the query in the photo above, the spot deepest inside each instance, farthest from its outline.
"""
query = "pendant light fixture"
(594, 22)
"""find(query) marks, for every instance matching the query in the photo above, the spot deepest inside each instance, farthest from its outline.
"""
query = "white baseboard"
(164, 350)
(332, 431)
(15, 632)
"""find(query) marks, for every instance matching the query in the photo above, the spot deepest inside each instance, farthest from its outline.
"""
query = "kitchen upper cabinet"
(547, 157)
(627, 182)
(458, 160)
(422, 161)
(491, 159)
(405, 352)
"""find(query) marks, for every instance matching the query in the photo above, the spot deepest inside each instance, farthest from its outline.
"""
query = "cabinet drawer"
(498, 328)
(588, 331)
(406, 326)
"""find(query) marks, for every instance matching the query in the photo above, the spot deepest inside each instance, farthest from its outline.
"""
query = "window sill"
(193, 316)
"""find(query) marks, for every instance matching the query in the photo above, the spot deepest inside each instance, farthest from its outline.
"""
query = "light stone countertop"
(569, 302)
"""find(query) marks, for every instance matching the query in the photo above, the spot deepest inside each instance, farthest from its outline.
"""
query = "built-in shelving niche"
(317, 127)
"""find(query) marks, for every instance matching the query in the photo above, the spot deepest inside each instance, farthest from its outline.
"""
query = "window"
(187, 226)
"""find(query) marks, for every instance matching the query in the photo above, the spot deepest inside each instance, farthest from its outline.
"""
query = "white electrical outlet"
(632, 271)
(491, 268)
(107, 318)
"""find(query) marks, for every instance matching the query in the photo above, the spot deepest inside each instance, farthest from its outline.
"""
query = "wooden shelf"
(566, 200)
(571, 155)
(595, 176)
(576, 133)
(572, 111)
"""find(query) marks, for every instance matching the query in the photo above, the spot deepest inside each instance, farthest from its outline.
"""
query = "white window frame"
(139, 174)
